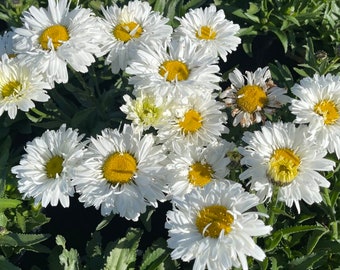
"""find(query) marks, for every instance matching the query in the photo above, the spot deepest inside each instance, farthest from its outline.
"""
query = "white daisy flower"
(120, 173)
(19, 87)
(146, 110)
(127, 28)
(251, 100)
(280, 156)
(212, 227)
(45, 171)
(318, 105)
(194, 166)
(54, 37)
(6, 44)
(175, 70)
(209, 29)
(196, 120)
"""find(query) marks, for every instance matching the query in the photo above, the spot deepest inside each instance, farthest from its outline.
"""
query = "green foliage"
(291, 21)
(175, 8)
(69, 259)
(5, 264)
(317, 62)
(10, 11)
(157, 257)
(123, 256)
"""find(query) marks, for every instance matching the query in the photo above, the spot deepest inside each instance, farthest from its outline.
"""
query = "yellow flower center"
(211, 220)
(127, 31)
(206, 32)
(12, 55)
(174, 70)
(57, 33)
(328, 110)
(251, 98)
(119, 168)
(147, 111)
(283, 166)
(191, 122)
(54, 166)
(200, 174)
(9, 88)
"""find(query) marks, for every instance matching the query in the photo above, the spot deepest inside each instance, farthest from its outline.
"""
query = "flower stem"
(272, 206)
(331, 212)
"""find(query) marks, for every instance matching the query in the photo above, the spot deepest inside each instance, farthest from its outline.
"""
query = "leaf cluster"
(122, 254)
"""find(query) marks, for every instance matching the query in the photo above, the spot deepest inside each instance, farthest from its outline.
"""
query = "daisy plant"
(153, 134)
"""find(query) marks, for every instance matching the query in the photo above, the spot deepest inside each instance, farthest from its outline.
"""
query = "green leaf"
(106, 220)
(253, 8)
(84, 119)
(159, 5)
(22, 240)
(93, 247)
(193, 4)
(21, 221)
(68, 258)
(38, 248)
(282, 37)
(239, 13)
(94, 251)
(301, 72)
(273, 263)
(8, 203)
(247, 45)
(297, 229)
(331, 246)
(84, 96)
(66, 107)
(5, 146)
(5, 264)
(307, 262)
(264, 264)
(314, 239)
(146, 219)
(249, 31)
(273, 240)
(281, 74)
(171, 10)
(334, 194)
(3, 220)
(305, 216)
(152, 260)
(252, 17)
(293, 20)
(123, 256)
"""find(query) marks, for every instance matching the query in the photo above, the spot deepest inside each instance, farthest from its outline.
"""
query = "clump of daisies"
(252, 95)
(214, 227)
(317, 104)
(45, 172)
(174, 147)
(280, 156)
(55, 37)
